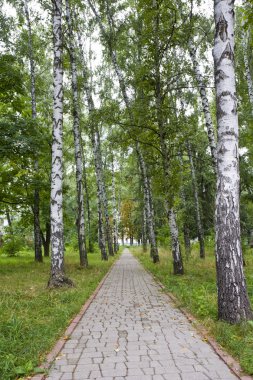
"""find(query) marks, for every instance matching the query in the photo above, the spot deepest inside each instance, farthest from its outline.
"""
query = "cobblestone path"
(131, 331)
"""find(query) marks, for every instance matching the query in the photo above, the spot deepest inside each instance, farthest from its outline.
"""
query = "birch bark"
(233, 301)
(115, 211)
(77, 143)
(104, 194)
(186, 230)
(36, 204)
(176, 250)
(87, 199)
(147, 205)
(247, 71)
(196, 202)
(57, 276)
(101, 231)
(205, 104)
(144, 230)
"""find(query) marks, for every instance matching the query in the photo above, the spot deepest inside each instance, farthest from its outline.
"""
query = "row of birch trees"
(158, 120)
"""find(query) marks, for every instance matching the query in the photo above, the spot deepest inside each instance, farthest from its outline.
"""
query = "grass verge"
(32, 317)
(196, 292)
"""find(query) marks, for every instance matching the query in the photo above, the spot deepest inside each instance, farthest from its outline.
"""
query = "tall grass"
(196, 291)
(32, 318)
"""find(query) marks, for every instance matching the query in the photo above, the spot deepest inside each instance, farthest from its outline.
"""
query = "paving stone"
(67, 376)
(132, 331)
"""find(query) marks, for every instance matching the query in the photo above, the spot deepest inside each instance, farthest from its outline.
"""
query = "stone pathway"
(131, 331)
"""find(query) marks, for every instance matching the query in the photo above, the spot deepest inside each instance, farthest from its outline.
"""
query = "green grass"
(32, 317)
(196, 291)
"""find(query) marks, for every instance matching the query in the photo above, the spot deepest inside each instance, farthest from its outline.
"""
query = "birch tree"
(196, 202)
(77, 143)
(246, 62)
(123, 88)
(115, 211)
(36, 203)
(57, 276)
(171, 215)
(205, 104)
(247, 71)
(233, 301)
(186, 230)
(96, 145)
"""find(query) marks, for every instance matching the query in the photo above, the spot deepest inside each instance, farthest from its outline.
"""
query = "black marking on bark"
(222, 28)
(227, 53)
(220, 75)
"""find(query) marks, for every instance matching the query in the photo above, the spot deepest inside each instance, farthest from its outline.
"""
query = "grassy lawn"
(196, 291)
(32, 318)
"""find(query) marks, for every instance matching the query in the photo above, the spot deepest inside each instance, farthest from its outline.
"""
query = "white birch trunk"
(100, 191)
(247, 71)
(186, 230)
(104, 196)
(101, 231)
(205, 104)
(196, 202)
(36, 205)
(87, 200)
(144, 230)
(115, 211)
(245, 36)
(57, 277)
(77, 144)
(233, 302)
(176, 250)
(150, 221)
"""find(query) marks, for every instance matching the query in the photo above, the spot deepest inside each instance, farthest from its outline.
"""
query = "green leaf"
(20, 371)
(38, 370)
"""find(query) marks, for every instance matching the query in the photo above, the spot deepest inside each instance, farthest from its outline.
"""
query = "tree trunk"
(144, 230)
(186, 229)
(77, 143)
(196, 202)
(176, 250)
(95, 139)
(57, 276)
(187, 241)
(147, 205)
(101, 232)
(122, 236)
(46, 240)
(247, 70)
(87, 197)
(233, 301)
(104, 196)
(9, 222)
(115, 212)
(36, 205)
(205, 104)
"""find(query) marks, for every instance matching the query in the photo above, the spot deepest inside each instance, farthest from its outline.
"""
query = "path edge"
(231, 362)
(51, 356)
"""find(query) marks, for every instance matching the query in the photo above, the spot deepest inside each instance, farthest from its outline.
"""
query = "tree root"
(60, 281)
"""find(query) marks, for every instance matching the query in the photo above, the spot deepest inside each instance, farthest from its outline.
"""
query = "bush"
(12, 245)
